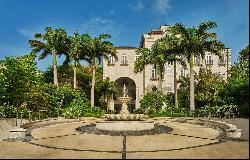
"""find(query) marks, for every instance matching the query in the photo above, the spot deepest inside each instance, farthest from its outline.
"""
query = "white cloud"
(162, 6)
(98, 25)
(137, 6)
(27, 33)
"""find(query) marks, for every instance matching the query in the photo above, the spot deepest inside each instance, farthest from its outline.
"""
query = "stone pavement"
(185, 141)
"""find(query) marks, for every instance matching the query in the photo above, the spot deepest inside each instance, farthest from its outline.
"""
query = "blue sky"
(125, 20)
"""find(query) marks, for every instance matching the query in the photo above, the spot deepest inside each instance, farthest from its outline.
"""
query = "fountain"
(124, 121)
(124, 113)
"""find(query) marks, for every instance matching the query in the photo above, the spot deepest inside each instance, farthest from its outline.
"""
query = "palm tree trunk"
(175, 86)
(92, 102)
(192, 105)
(160, 79)
(74, 68)
(55, 69)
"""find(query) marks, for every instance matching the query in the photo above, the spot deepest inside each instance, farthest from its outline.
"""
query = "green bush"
(66, 94)
(170, 111)
(76, 108)
(152, 101)
(7, 111)
(224, 111)
(79, 108)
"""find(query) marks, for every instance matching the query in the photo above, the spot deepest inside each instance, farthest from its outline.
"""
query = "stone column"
(111, 104)
(137, 103)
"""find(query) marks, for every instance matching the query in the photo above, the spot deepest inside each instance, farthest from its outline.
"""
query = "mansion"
(122, 71)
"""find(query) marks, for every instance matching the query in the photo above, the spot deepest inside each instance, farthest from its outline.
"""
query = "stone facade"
(122, 71)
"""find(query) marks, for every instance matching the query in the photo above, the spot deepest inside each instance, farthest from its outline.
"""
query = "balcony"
(154, 79)
(111, 64)
(124, 64)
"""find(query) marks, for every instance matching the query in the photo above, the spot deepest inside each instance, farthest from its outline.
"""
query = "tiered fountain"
(124, 113)
(124, 120)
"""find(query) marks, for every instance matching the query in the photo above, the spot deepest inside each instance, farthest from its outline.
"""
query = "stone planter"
(233, 132)
(17, 133)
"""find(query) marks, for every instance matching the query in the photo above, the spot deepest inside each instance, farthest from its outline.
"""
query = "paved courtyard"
(64, 141)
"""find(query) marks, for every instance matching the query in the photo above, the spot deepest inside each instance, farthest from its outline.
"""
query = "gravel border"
(91, 129)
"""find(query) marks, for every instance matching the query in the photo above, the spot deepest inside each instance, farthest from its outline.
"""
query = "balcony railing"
(124, 63)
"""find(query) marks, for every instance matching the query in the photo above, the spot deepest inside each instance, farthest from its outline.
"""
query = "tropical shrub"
(236, 90)
(208, 88)
(76, 108)
(7, 111)
(17, 76)
(67, 94)
(224, 111)
(79, 108)
(154, 100)
(170, 111)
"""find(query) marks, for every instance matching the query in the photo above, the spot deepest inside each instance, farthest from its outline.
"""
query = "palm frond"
(43, 55)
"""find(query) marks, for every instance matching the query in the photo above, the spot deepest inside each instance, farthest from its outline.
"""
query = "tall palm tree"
(195, 42)
(53, 42)
(173, 53)
(96, 49)
(74, 53)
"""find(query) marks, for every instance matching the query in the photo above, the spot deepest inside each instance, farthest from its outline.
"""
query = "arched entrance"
(131, 87)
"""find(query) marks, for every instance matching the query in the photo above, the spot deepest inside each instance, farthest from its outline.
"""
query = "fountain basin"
(124, 117)
(124, 125)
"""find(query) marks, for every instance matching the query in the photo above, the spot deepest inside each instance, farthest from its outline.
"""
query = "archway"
(131, 86)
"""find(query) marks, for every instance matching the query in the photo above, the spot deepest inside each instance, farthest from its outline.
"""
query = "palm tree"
(154, 56)
(173, 53)
(195, 42)
(54, 42)
(75, 51)
(107, 90)
(96, 49)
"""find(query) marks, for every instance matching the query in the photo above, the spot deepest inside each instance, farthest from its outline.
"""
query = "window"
(111, 59)
(222, 60)
(209, 59)
(124, 59)
(154, 74)
(169, 87)
(183, 72)
(197, 60)
(170, 71)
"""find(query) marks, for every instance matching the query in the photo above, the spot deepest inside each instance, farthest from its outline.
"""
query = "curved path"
(185, 141)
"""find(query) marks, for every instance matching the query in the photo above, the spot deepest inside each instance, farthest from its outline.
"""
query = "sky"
(125, 20)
